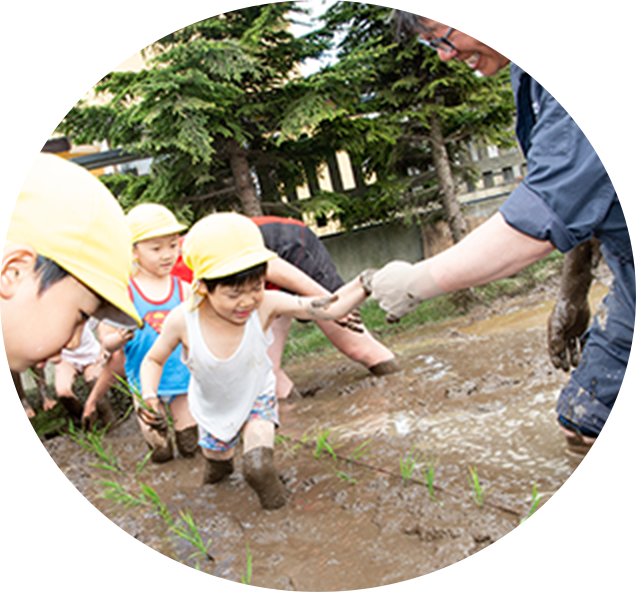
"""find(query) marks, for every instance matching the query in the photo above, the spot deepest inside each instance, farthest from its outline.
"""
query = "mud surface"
(476, 392)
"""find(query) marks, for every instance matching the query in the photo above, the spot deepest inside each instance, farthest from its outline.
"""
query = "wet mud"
(478, 392)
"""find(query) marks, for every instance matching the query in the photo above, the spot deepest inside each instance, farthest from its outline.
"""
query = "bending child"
(225, 334)
(63, 258)
(155, 292)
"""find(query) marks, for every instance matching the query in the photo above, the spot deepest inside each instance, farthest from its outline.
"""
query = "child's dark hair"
(236, 280)
(49, 272)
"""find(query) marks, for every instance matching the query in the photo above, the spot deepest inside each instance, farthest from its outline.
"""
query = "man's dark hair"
(49, 273)
(408, 14)
(407, 25)
(236, 280)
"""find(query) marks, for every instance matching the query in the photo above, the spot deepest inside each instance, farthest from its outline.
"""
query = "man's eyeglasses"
(440, 42)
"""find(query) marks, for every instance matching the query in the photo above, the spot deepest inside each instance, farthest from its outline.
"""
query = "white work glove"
(400, 287)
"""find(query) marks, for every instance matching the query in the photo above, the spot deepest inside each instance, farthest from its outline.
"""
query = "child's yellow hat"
(151, 220)
(69, 216)
(224, 244)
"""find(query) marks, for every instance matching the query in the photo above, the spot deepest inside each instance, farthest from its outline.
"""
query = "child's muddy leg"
(64, 379)
(258, 464)
(157, 436)
(186, 430)
(218, 465)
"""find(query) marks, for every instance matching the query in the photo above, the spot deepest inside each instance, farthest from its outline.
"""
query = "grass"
(478, 491)
(306, 339)
(362, 452)
(322, 443)
(346, 477)
(532, 513)
(407, 465)
(608, 520)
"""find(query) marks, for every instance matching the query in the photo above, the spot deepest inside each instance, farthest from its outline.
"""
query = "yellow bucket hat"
(224, 244)
(69, 216)
(151, 220)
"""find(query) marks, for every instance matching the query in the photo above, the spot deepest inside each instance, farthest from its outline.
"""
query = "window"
(489, 180)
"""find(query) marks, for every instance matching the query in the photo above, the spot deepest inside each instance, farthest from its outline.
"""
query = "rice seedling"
(189, 531)
(407, 465)
(246, 578)
(93, 442)
(478, 491)
(116, 492)
(362, 451)
(142, 465)
(429, 477)
(346, 477)
(134, 392)
(608, 520)
(323, 444)
(158, 504)
(547, 518)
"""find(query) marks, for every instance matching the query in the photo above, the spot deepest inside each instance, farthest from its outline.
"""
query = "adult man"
(565, 199)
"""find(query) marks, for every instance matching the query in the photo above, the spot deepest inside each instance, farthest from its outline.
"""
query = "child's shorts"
(167, 399)
(265, 407)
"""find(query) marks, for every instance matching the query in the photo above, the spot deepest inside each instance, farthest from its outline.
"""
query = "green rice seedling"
(323, 444)
(407, 465)
(246, 578)
(346, 477)
(159, 506)
(189, 531)
(116, 492)
(547, 518)
(608, 520)
(133, 391)
(361, 451)
(93, 442)
(142, 465)
(191, 577)
(429, 477)
(478, 491)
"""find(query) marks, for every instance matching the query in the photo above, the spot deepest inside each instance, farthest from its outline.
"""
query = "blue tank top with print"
(176, 376)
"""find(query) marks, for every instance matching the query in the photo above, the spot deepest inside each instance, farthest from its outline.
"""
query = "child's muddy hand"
(324, 302)
(366, 279)
(89, 416)
(154, 419)
(353, 322)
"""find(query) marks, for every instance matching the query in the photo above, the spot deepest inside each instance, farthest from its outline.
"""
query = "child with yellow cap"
(155, 292)
(225, 335)
(66, 258)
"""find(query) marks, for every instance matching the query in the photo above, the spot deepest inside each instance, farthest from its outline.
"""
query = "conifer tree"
(205, 108)
(404, 116)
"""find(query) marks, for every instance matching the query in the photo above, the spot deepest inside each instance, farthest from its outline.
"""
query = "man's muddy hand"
(567, 323)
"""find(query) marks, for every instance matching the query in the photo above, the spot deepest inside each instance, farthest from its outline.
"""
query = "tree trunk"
(243, 180)
(456, 220)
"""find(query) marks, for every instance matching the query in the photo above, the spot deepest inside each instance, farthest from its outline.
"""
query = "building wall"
(64, 33)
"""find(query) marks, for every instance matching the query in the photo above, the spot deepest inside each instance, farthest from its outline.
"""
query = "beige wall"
(65, 34)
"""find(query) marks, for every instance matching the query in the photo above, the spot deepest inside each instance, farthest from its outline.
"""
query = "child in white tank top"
(225, 333)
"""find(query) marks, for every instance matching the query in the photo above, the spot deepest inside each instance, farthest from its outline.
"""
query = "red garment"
(180, 269)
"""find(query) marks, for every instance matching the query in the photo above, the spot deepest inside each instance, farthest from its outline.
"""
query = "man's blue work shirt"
(567, 196)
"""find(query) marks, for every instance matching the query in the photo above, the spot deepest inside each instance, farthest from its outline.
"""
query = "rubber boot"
(106, 413)
(260, 473)
(162, 454)
(215, 470)
(187, 441)
(383, 368)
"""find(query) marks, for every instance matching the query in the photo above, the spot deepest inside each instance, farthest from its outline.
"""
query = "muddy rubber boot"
(260, 473)
(73, 406)
(187, 441)
(383, 368)
(215, 470)
(106, 413)
(162, 454)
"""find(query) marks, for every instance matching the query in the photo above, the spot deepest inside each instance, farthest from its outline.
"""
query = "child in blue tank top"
(155, 292)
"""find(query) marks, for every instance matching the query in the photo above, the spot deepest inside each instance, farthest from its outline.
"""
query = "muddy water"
(477, 392)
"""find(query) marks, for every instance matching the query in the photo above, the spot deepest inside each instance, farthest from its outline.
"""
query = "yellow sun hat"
(224, 244)
(68, 215)
(152, 220)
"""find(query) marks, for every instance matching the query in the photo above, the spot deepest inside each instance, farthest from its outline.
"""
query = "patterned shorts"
(265, 407)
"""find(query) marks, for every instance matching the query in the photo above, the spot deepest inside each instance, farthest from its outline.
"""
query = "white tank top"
(222, 392)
